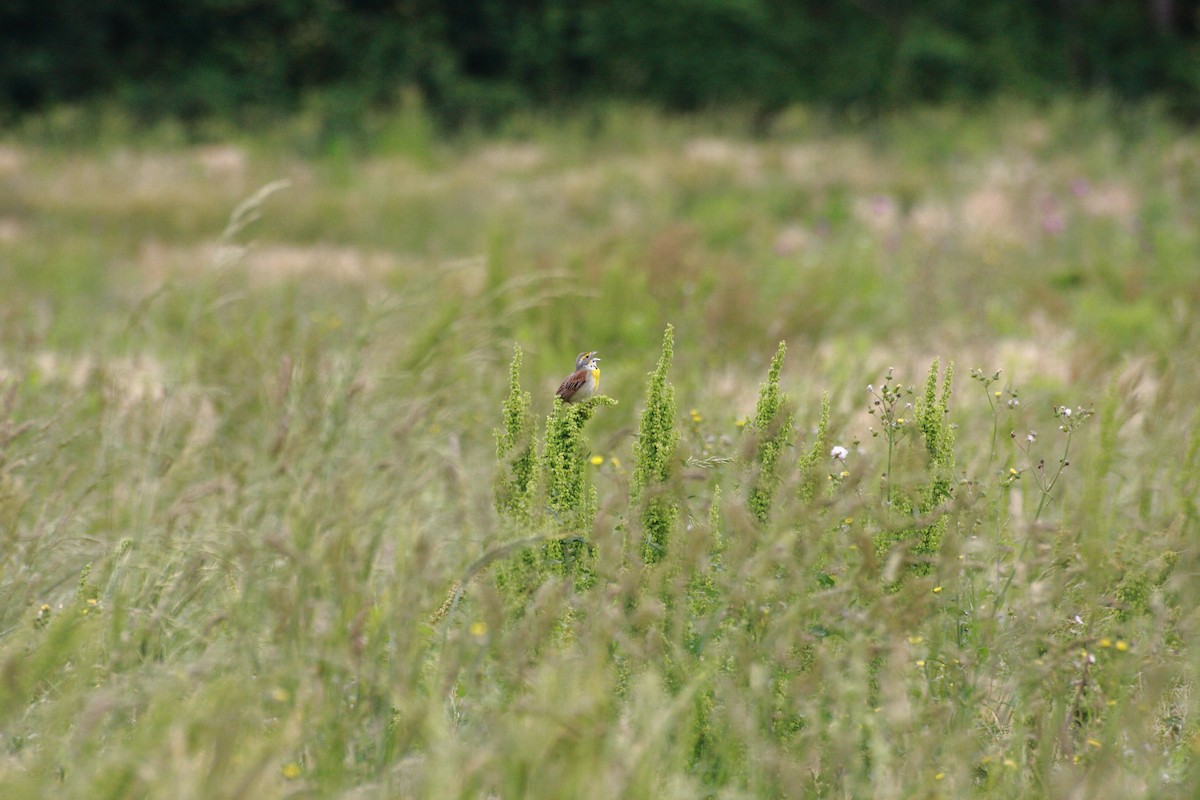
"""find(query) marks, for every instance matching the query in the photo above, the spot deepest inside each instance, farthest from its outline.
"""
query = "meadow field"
(895, 492)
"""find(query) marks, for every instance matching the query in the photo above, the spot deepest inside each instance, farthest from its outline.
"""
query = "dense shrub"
(478, 60)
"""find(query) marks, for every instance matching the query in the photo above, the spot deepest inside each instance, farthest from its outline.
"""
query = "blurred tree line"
(474, 60)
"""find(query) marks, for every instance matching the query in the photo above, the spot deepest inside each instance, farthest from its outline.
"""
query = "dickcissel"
(583, 382)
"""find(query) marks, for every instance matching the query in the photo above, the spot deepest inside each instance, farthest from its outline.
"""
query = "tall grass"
(258, 537)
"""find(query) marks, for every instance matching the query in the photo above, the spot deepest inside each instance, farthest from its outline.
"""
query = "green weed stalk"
(931, 423)
(773, 425)
(571, 501)
(516, 451)
(653, 453)
(809, 462)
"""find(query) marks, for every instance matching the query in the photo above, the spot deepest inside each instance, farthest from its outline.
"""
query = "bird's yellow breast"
(596, 375)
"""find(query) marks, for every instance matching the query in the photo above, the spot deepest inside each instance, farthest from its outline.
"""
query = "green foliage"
(703, 591)
(1133, 594)
(932, 415)
(516, 453)
(935, 486)
(1187, 482)
(772, 427)
(933, 419)
(283, 476)
(810, 461)
(553, 480)
(479, 63)
(653, 455)
(569, 498)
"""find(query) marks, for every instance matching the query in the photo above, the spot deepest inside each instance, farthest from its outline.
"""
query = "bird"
(583, 382)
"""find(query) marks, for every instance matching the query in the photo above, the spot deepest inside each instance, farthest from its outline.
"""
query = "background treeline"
(476, 60)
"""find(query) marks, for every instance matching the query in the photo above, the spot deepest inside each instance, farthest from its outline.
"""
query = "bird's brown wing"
(572, 384)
